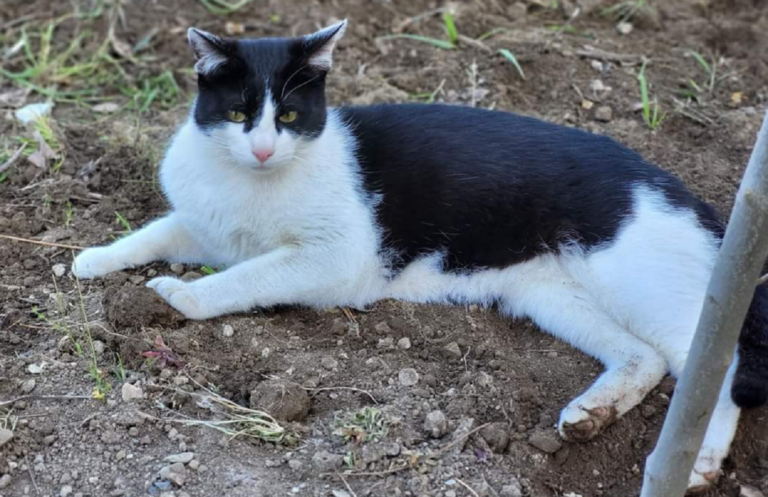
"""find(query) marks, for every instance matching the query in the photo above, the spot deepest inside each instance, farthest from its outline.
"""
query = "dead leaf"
(43, 153)
(122, 48)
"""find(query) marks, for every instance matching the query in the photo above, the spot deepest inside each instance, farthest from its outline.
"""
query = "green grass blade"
(123, 221)
(445, 45)
(511, 58)
(450, 27)
(703, 63)
(492, 33)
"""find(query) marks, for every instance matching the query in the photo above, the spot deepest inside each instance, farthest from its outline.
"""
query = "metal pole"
(729, 295)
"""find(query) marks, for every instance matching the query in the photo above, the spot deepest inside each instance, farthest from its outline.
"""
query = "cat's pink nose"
(262, 154)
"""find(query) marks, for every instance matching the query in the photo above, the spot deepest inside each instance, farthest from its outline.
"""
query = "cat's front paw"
(96, 262)
(579, 423)
(706, 470)
(179, 295)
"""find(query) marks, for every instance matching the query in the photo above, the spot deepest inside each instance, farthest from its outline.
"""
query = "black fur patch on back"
(491, 189)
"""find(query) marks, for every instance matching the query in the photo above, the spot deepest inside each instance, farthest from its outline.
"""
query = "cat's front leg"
(164, 239)
(288, 275)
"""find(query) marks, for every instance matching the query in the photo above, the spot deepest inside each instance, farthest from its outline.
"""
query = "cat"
(310, 205)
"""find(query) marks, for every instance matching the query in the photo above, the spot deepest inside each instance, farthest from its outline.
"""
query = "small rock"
(496, 436)
(546, 441)
(383, 328)
(177, 268)
(191, 276)
(329, 363)
(295, 464)
(130, 392)
(66, 490)
(386, 343)
(624, 28)
(49, 440)
(452, 350)
(597, 65)
(512, 489)
(265, 353)
(28, 386)
(408, 377)
(193, 464)
(372, 453)
(137, 279)
(436, 424)
(326, 461)
(648, 411)
(36, 368)
(604, 113)
(59, 270)
(285, 401)
(5, 436)
(484, 380)
(99, 347)
(404, 343)
(183, 458)
(151, 273)
(228, 331)
(749, 491)
(110, 437)
(5, 480)
(173, 433)
(340, 493)
(120, 455)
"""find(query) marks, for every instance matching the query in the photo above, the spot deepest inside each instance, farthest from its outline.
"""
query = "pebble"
(408, 377)
(340, 493)
(326, 461)
(66, 490)
(177, 268)
(597, 65)
(648, 411)
(329, 362)
(295, 464)
(28, 386)
(460, 434)
(452, 350)
(173, 433)
(110, 437)
(193, 464)
(436, 424)
(512, 489)
(484, 380)
(5, 480)
(49, 440)
(604, 113)
(496, 436)
(183, 458)
(120, 455)
(99, 347)
(228, 331)
(546, 441)
(386, 343)
(137, 279)
(624, 28)
(151, 273)
(191, 276)
(59, 270)
(404, 343)
(130, 392)
(748, 491)
(29, 281)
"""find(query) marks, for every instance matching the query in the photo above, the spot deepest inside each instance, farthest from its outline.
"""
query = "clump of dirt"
(282, 400)
(138, 307)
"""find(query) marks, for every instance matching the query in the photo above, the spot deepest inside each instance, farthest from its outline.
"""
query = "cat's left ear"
(318, 47)
(210, 50)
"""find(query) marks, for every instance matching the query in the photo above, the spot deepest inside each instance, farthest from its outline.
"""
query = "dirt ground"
(392, 365)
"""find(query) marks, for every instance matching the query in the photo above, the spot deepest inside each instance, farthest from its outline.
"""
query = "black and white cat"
(304, 204)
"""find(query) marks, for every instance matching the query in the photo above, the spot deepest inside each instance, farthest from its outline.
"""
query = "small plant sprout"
(709, 70)
(429, 97)
(651, 115)
(224, 7)
(123, 222)
(119, 370)
(361, 426)
(450, 29)
(627, 10)
(69, 214)
(513, 60)
(163, 354)
(207, 270)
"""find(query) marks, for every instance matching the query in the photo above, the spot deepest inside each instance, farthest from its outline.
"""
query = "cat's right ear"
(210, 50)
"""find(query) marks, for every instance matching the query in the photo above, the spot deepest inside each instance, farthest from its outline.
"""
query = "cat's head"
(261, 101)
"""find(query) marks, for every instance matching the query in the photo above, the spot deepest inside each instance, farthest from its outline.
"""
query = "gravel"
(436, 424)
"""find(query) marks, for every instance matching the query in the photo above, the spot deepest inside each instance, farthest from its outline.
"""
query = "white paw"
(179, 295)
(95, 262)
(579, 423)
(706, 470)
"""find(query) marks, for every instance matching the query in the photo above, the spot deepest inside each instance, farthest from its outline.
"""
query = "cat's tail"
(750, 385)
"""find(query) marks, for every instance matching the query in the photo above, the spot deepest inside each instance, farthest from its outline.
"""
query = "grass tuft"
(627, 10)
(361, 426)
(651, 115)
(224, 7)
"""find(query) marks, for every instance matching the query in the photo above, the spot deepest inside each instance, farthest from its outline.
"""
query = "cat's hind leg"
(561, 306)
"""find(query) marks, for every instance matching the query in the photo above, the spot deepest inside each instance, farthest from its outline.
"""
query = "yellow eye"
(289, 117)
(235, 117)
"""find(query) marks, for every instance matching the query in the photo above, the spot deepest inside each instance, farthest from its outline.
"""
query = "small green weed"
(119, 370)
(450, 28)
(123, 222)
(361, 426)
(429, 97)
(651, 115)
(69, 214)
(224, 7)
(627, 10)
(513, 60)
(162, 90)
(207, 270)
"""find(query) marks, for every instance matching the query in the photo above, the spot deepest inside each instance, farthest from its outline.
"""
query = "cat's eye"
(288, 117)
(235, 116)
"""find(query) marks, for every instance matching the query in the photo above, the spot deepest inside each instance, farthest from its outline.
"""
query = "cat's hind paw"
(179, 295)
(579, 424)
(95, 262)
(706, 470)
